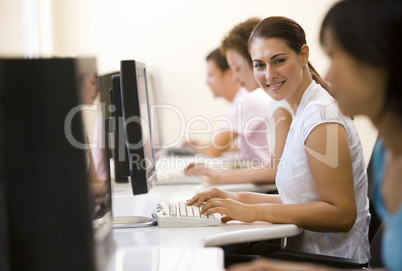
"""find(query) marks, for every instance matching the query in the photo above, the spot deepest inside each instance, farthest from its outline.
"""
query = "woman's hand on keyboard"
(230, 209)
(214, 176)
(195, 169)
(209, 194)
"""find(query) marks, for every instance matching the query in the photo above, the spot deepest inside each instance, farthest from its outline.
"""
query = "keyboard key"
(189, 211)
(196, 212)
(182, 207)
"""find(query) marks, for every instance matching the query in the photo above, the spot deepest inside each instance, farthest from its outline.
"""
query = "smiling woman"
(362, 39)
(317, 158)
(287, 39)
(280, 71)
(320, 188)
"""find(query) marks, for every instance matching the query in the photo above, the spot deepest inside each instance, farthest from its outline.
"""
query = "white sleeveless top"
(296, 185)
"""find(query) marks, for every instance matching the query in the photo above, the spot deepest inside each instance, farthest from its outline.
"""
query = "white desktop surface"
(179, 163)
(172, 258)
(137, 246)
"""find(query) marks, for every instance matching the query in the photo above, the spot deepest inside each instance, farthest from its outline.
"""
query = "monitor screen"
(137, 125)
(56, 183)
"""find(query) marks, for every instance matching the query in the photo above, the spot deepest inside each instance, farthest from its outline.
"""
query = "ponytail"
(317, 78)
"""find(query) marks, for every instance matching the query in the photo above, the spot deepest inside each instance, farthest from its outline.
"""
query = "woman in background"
(363, 40)
(259, 139)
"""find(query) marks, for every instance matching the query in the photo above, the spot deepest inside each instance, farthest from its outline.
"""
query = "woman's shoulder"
(321, 108)
(275, 105)
(320, 105)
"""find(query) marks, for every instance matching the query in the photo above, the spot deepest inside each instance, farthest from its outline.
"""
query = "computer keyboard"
(168, 177)
(180, 151)
(179, 214)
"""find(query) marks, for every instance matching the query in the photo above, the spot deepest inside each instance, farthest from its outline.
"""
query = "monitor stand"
(120, 222)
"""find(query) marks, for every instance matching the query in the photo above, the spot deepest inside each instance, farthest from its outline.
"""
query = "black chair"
(297, 256)
(375, 236)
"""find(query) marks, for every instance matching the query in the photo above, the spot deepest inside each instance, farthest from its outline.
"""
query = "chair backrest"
(375, 247)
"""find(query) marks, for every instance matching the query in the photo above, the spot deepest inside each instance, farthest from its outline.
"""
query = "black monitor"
(57, 214)
(105, 84)
(137, 126)
(120, 158)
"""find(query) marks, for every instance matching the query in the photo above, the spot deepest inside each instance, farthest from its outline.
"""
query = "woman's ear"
(304, 54)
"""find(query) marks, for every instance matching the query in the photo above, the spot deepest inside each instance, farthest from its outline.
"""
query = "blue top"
(392, 238)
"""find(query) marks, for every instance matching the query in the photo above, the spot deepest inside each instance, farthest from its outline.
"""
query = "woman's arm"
(282, 121)
(97, 183)
(250, 175)
(330, 163)
(221, 143)
(263, 264)
(280, 124)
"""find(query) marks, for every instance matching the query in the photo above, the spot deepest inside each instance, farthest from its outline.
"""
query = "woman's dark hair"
(219, 58)
(371, 31)
(237, 39)
(289, 31)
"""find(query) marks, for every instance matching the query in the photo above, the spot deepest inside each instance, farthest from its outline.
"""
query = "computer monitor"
(105, 84)
(120, 158)
(137, 126)
(58, 216)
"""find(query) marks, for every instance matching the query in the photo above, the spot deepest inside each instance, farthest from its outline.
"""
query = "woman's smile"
(276, 85)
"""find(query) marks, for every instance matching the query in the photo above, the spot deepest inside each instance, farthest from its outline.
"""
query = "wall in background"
(11, 35)
(172, 37)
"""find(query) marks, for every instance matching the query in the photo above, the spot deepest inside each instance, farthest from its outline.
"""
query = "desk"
(179, 163)
(152, 244)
